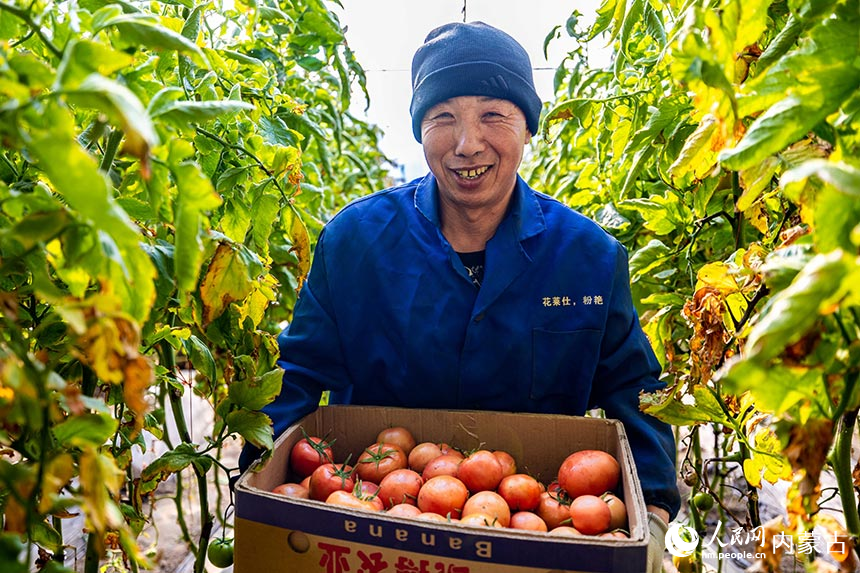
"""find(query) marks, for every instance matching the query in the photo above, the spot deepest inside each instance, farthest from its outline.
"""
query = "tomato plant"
(164, 173)
(725, 158)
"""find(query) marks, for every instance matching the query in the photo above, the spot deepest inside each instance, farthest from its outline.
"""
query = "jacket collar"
(524, 214)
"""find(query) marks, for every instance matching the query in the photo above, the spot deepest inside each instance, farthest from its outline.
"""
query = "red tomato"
(367, 488)
(378, 461)
(554, 509)
(589, 472)
(400, 486)
(564, 531)
(480, 471)
(292, 490)
(421, 455)
(617, 509)
(404, 510)
(399, 436)
(521, 491)
(590, 514)
(488, 503)
(306, 482)
(348, 499)
(430, 516)
(509, 465)
(329, 478)
(444, 465)
(480, 520)
(448, 449)
(528, 521)
(444, 495)
(308, 454)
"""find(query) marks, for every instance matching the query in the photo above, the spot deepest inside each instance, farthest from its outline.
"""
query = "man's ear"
(528, 136)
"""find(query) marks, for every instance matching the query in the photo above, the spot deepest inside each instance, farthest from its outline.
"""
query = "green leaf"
(195, 196)
(76, 178)
(201, 357)
(85, 430)
(800, 90)
(843, 177)
(85, 57)
(643, 261)
(38, 227)
(122, 106)
(775, 389)
(172, 462)
(254, 393)
(143, 29)
(182, 113)
(255, 427)
(792, 312)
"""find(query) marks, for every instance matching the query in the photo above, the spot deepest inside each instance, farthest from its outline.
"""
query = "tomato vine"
(721, 148)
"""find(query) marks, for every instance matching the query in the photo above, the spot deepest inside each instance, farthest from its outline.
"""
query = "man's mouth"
(472, 173)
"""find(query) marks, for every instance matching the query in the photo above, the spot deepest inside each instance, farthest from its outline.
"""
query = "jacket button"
(479, 317)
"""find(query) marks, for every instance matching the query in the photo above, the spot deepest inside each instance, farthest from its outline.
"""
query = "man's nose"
(469, 139)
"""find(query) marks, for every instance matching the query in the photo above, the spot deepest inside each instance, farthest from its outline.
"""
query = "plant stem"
(752, 492)
(840, 459)
(206, 517)
(91, 563)
(25, 15)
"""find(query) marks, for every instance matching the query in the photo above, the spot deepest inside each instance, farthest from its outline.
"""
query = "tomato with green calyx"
(220, 552)
(308, 454)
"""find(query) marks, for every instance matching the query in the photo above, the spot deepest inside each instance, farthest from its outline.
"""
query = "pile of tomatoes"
(435, 481)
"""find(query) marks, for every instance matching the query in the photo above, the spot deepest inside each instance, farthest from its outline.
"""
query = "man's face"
(474, 146)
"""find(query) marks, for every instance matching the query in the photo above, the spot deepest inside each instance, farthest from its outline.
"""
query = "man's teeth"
(471, 173)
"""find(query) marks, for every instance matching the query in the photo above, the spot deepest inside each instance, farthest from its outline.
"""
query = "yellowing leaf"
(301, 246)
(752, 471)
(227, 280)
(138, 377)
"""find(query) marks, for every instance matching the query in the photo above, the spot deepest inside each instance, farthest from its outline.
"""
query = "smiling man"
(467, 289)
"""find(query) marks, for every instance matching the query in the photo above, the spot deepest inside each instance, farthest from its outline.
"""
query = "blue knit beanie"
(472, 59)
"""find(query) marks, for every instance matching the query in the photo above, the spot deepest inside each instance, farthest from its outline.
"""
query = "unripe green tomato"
(220, 552)
(703, 501)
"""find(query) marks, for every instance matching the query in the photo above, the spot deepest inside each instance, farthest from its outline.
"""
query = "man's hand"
(658, 524)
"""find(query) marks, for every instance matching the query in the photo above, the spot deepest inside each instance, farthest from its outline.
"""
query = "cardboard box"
(276, 534)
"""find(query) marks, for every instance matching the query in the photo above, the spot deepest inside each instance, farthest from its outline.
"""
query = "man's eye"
(493, 115)
(442, 115)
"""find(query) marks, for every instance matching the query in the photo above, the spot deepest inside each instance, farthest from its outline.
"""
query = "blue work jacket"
(389, 316)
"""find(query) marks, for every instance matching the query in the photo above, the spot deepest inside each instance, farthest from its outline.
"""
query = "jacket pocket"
(564, 363)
